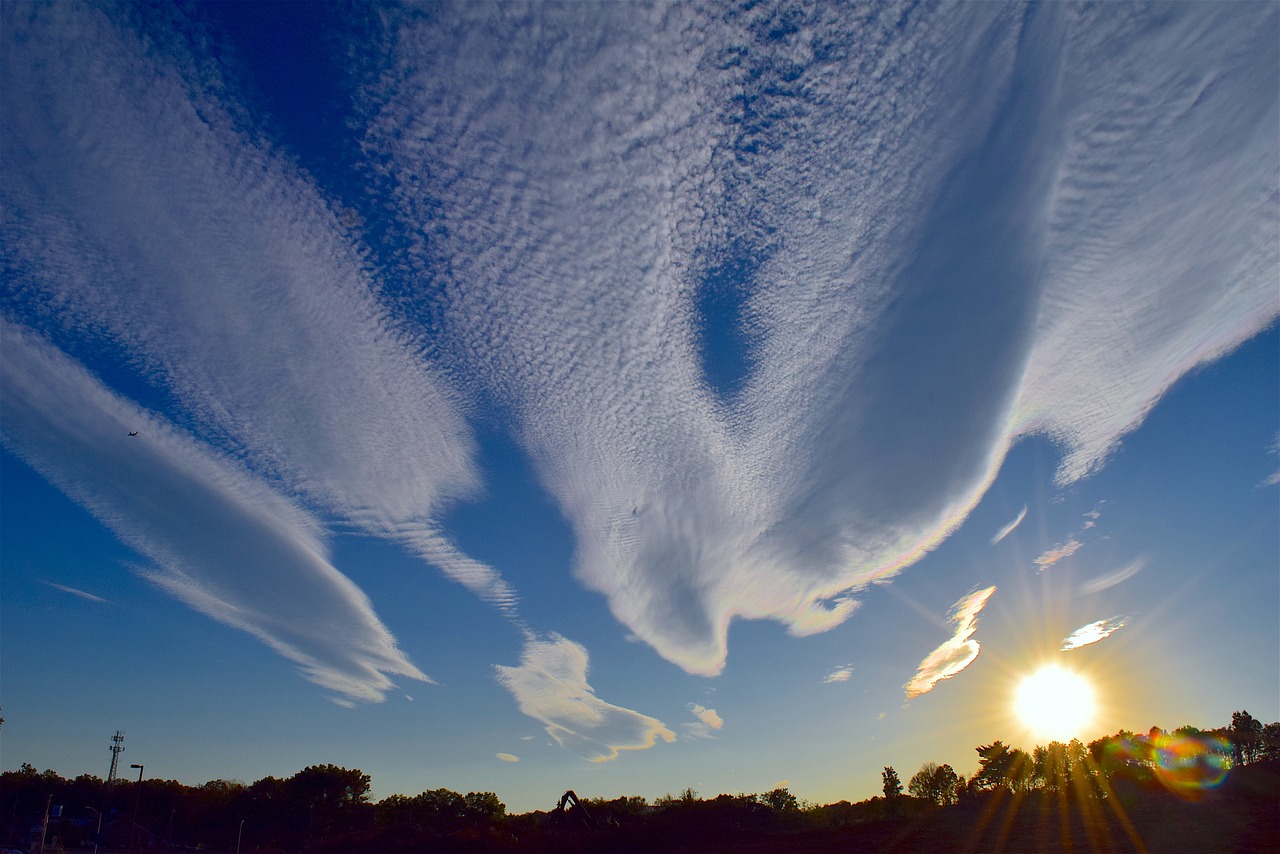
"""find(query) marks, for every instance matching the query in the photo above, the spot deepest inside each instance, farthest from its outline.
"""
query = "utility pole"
(44, 828)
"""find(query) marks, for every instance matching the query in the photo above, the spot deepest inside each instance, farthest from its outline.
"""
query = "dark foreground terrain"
(1243, 815)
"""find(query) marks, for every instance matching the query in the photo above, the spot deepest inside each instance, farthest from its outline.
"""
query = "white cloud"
(507, 757)
(840, 674)
(957, 653)
(1102, 582)
(222, 542)
(582, 177)
(1008, 529)
(1094, 632)
(957, 232)
(76, 592)
(263, 322)
(550, 686)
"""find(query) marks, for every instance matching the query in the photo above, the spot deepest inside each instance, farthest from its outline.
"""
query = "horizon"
(629, 398)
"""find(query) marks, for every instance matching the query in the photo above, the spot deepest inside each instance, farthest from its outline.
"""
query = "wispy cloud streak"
(1102, 582)
(221, 541)
(1009, 528)
(1094, 632)
(88, 597)
(958, 652)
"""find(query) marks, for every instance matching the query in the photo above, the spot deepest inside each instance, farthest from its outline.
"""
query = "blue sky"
(627, 397)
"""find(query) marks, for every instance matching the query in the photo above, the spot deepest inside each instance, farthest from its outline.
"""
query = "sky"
(629, 397)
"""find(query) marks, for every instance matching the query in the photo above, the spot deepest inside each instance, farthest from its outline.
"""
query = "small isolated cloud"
(1094, 632)
(958, 652)
(840, 674)
(76, 592)
(1057, 553)
(1008, 529)
(507, 757)
(707, 716)
(550, 686)
(342, 701)
(1102, 582)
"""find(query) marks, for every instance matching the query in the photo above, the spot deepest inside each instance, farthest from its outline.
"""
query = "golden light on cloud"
(1055, 703)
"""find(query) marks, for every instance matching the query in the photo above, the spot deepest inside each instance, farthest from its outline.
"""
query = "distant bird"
(134, 433)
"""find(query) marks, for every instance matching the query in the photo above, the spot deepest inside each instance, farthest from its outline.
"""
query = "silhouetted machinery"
(571, 813)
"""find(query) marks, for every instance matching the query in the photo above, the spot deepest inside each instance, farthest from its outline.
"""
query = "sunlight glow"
(1055, 703)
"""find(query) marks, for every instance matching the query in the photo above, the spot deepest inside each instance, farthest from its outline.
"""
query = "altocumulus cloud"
(937, 223)
(958, 652)
(262, 322)
(265, 573)
(934, 253)
(550, 685)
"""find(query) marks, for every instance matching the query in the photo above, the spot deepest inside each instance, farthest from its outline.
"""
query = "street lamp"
(239, 834)
(137, 797)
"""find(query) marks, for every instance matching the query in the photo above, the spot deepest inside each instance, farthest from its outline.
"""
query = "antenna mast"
(117, 745)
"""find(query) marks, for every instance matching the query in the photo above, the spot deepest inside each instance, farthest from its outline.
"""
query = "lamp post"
(137, 798)
(239, 834)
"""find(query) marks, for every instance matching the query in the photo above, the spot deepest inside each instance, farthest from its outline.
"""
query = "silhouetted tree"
(934, 783)
(1270, 741)
(1001, 766)
(892, 785)
(1246, 737)
(780, 800)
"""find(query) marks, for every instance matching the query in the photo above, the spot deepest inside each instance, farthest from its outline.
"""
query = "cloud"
(1008, 529)
(507, 757)
(927, 275)
(1057, 553)
(76, 592)
(550, 686)
(934, 226)
(957, 653)
(1094, 632)
(262, 324)
(221, 541)
(707, 716)
(1102, 582)
(840, 674)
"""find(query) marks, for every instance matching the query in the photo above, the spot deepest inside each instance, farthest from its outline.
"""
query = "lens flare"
(1187, 764)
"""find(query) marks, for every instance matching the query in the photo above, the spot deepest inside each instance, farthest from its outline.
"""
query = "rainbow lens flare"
(1186, 764)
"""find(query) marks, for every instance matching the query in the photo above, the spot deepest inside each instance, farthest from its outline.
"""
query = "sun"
(1054, 703)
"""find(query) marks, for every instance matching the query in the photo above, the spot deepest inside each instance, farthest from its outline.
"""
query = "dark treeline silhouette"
(1187, 789)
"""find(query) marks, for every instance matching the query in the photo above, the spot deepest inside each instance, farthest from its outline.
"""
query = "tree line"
(1185, 759)
(327, 807)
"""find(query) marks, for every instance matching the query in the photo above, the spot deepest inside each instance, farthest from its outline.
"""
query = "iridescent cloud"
(958, 652)
(1094, 632)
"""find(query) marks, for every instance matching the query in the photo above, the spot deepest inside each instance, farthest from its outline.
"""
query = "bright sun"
(1054, 703)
